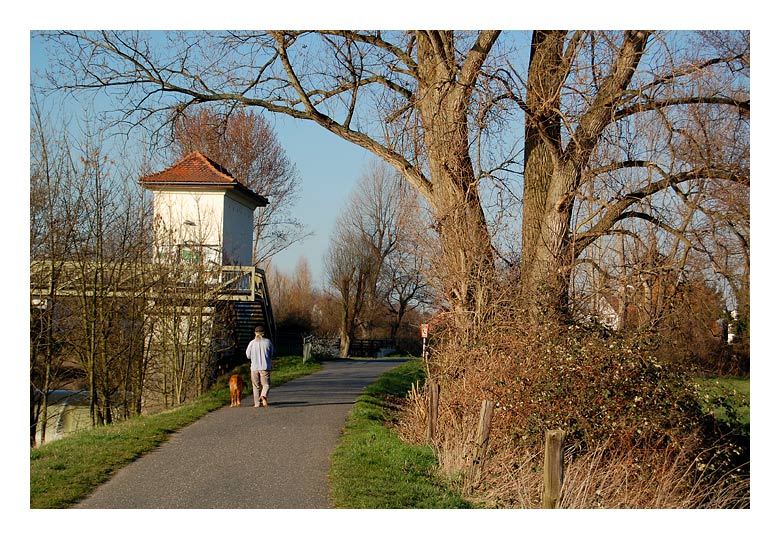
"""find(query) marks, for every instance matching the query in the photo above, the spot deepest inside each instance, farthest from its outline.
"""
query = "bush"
(595, 389)
(613, 398)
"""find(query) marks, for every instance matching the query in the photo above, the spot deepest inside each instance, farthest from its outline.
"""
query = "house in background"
(612, 313)
(202, 213)
(608, 312)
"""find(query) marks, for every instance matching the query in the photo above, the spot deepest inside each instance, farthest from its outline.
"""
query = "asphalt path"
(249, 458)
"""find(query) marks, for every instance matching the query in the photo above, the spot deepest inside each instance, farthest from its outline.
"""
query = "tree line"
(377, 282)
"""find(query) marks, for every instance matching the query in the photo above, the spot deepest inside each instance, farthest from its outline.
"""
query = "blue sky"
(329, 168)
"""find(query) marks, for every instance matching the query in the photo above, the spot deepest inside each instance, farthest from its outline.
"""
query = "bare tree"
(54, 197)
(87, 246)
(245, 144)
(402, 284)
(350, 268)
(607, 119)
(106, 255)
(373, 262)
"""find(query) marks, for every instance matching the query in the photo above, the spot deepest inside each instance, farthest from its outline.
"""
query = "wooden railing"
(231, 283)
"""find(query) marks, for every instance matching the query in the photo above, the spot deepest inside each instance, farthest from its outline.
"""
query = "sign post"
(433, 391)
(424, 335)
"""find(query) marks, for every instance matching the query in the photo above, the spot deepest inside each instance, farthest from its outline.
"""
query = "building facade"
(202, 213)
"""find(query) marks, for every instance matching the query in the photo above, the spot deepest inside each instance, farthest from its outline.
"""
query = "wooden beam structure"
(239, 284)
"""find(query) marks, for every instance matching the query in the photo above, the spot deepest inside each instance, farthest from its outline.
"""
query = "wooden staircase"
(250, 314)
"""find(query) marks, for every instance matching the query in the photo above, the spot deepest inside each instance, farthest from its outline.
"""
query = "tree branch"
(743, 106)
(616, 211)
(610, 92)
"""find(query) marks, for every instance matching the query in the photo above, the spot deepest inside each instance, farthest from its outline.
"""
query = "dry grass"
(633, 438)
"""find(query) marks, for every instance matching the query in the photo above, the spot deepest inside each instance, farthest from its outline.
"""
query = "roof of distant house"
(196, 170)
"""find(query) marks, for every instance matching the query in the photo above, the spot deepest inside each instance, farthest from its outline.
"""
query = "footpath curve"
(249, 458)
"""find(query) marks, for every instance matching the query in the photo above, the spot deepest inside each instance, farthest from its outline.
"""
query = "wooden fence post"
(553, 468)
(483, 435)
(433, 409)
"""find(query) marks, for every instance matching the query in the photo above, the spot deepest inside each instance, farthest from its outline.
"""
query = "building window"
(188, 255)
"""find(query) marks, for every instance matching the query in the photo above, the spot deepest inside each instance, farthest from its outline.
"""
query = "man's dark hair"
(259, 329)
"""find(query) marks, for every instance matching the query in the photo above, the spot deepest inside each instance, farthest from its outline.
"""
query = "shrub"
(612, 396)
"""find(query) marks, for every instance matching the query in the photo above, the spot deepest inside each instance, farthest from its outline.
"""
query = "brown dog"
(236, 388)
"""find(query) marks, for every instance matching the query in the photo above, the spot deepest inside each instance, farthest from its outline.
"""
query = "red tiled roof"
(192, 168)
(197, 169)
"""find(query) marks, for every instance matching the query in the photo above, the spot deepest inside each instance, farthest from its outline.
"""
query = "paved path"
(237, 458)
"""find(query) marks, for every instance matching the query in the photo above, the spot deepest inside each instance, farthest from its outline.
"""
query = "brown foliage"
(635, 434)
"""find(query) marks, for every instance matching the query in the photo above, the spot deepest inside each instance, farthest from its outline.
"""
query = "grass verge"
(64, 471)
(371, 468)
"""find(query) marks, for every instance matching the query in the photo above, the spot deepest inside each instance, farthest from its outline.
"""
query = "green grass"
(728, 397)
(372, 468)
(64, 471)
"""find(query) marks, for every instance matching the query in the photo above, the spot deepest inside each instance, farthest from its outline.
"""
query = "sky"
(329, 168)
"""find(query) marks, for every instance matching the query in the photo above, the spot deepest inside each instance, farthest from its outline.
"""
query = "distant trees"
(350, 269)
(402, 284)
(294, 298)
(372, 265)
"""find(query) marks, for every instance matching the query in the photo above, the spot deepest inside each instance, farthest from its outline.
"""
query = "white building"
(202, 213)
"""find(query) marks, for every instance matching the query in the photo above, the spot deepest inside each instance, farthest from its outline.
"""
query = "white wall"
(239, 230)
(205, 209)
(222, 222)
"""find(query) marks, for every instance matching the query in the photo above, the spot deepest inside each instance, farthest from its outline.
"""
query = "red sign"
(424, 331)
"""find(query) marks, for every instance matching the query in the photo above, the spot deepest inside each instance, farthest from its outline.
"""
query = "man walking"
(259, 352)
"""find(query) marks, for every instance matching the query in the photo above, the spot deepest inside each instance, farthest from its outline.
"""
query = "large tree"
(608, 119)
(604, 117)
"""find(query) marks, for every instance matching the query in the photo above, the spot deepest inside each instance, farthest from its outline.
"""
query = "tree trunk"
(546, 210)
(461, 224)
(552, 174)
(43, 409)
(548, 271)
(346, 326)
(397, 319)
(344, 343)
